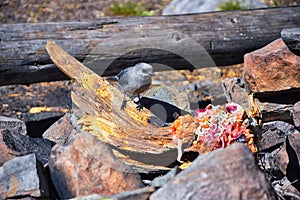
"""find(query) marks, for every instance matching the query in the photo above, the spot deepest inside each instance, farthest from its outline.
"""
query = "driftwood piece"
(133, 138)
(226, 36)
(291, 38)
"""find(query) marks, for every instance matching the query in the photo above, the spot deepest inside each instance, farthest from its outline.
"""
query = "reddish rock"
(87, 166)
(281, 160)
(6, 153)
(272, 68)
(229, 173)
(62, 130)
(296, 114)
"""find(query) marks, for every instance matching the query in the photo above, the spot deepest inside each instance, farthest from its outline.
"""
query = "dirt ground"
(15, 11)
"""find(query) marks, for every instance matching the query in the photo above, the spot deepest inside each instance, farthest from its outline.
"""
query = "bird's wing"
(124, 76)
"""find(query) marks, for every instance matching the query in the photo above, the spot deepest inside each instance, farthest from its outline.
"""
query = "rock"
(293, 151)
(294, 140)
(62, 130)
(291, 38)
(166, 103)
(296, 115)
(140, 194)
(24, 145)
(170, 95)
(162, 180)
(272, 68)
(87, 166)
(281, 161)
(275, 111)
(234, 89)
(285, 189)
(229, 173)
(275, 162)
(13, 124)
(6, 153)
(198, 6)
(284, 160)
(274, 133)
(18, 177)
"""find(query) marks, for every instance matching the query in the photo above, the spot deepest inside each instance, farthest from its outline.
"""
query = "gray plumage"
(135, 80)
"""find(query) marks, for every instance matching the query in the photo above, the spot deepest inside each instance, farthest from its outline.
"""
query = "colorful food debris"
(216, 127)
(183, 127)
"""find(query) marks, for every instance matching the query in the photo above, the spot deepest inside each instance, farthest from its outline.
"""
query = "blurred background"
(16, 11)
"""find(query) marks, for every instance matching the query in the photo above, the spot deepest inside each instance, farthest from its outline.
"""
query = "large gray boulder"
(177, 7)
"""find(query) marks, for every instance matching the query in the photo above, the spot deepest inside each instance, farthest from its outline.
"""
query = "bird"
(134, 81)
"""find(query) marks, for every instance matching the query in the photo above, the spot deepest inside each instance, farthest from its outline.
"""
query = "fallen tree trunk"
(226, 36)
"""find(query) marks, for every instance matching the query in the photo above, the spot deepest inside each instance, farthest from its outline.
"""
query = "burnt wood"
(226, 36)
(291, 38)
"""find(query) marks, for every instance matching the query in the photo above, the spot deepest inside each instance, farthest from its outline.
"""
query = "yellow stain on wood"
(141, 117)
(100, 127)
(34, 110)
(131, 162)
(254, 110)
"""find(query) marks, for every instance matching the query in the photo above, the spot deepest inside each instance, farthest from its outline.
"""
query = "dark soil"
(16, 11)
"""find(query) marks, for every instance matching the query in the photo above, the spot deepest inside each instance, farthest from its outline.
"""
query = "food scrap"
(217, 127)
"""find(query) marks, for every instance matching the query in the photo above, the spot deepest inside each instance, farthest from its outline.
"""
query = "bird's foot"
(139, 107)
(123, 106)
(137, 101)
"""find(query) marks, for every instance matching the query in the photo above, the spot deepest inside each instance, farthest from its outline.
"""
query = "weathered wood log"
(291, 38)
(132, 137)
(226, 36)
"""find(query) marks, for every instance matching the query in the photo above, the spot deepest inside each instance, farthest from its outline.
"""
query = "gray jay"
(134, 80)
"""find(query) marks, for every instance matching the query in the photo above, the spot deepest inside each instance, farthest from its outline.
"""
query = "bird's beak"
(151, 73)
